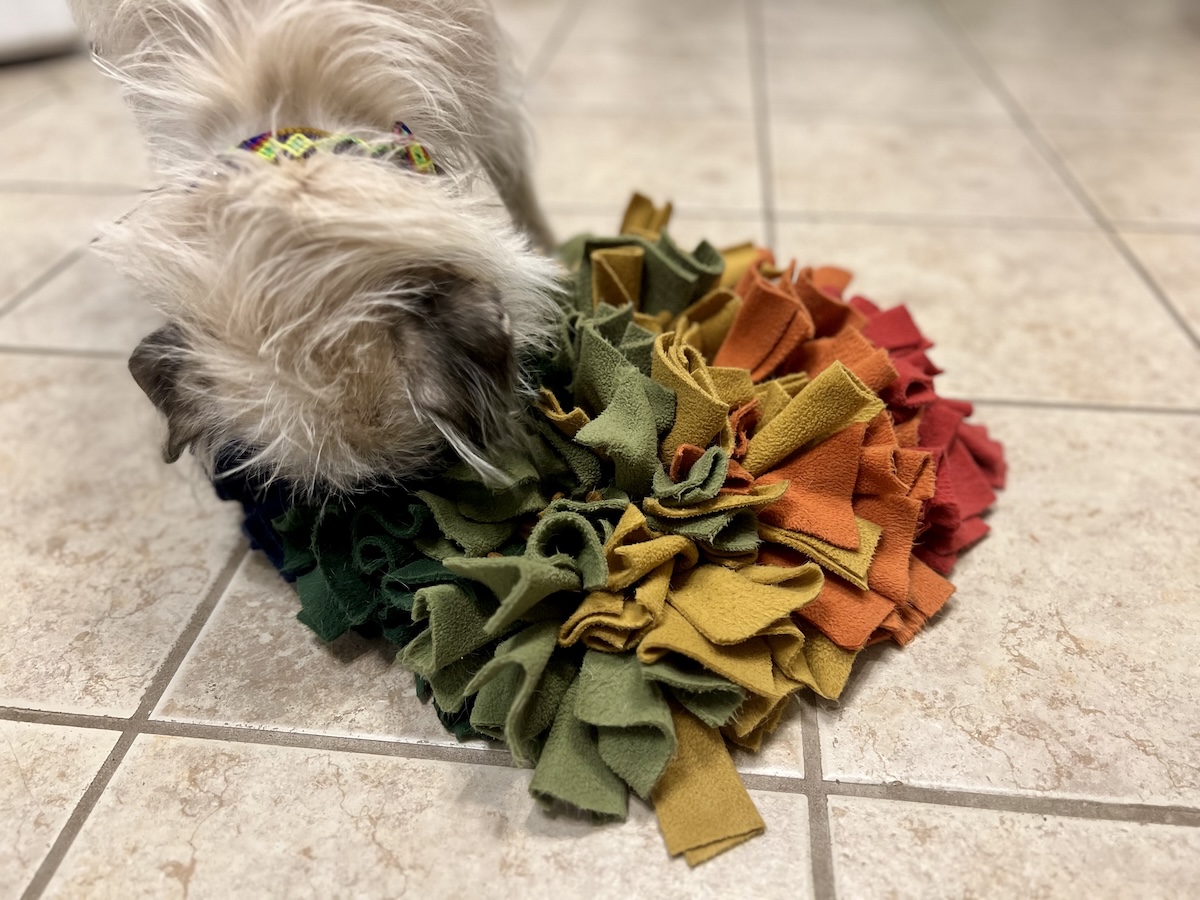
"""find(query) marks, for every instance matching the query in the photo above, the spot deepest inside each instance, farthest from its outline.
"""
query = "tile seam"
(132, 728)
(47, 275)
(564, 22)
(1167, 226)
(1102, 810)
(853, 217)
(761, 111)
(1086, 406)
(819, 836)
(1050, 155)
(949, 220)
(78, 818)
(187, 638)
(1060, 807)
(687, 212)
(71, 352)
(85, 188)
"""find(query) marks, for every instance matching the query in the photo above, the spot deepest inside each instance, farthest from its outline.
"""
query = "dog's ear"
(461, 365)
(157, 367)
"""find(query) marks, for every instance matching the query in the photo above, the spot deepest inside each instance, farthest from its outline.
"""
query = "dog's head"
(343, 321)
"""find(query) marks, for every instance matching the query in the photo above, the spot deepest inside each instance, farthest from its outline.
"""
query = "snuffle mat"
(738, 480)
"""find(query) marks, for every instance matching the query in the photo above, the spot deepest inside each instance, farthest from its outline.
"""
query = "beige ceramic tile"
(699, 162)
(255, 665)
(37, 230)
(866, 28)
(1029, 315)
(1136, 174)
(1156, 19)
(252, 821)
(938, 84)
(44, 770)
(528, 23)
(606, 79)
(22, 87)
(831, 163)
(1174, 262)
(1141, 82)
(86, 307)
(104, 551)
(888, 851)
(1006, 29)
(1065, 26)
(685, 230)
(83, 134)
(1065, 664)
(717, 26)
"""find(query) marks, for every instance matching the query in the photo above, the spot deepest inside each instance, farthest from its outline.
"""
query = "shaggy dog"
(341, 315)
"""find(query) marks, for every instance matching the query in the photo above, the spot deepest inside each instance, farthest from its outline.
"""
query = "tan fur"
(309, 298)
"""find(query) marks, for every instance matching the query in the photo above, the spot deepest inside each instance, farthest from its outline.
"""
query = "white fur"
(298, 285)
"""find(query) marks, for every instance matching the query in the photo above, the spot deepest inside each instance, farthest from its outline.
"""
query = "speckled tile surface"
(891, 850)
(104, 552)
(836, 163)
(1136, 174)
(85, 306)
(254, 665)
(1063, 666)
(44, 770)
(1017, 314)
(39, 233)
(1022, 173)
(1173, 261)
(589, 160)
(233, 820)
(82, 111)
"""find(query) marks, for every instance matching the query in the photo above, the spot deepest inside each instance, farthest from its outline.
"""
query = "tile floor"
(1025, 174)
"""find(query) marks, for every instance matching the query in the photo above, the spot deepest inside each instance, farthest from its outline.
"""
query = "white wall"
(34, 27)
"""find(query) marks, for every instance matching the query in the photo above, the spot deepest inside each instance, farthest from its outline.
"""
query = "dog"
(346, 244)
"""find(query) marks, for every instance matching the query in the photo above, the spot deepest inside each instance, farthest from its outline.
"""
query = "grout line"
(819, 838)
(234, 734)
(1147, 226)
(1064, 121)
(79, 815)
(90, 188)
(1050, 155)
(811, 784)
(742, 117)
(76, 353)
(133, 726)
(274, 737)
(1020, 803)
(850, 217)
(695, 212)
(1084, 406)
(762, 116)
(553, 41)
(51, 272)
(267, 736)
(183, 643)
(24, 109)
(62, 719)
(797, 114)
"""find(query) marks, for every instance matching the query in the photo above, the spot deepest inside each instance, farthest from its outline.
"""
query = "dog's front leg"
(521, 199)
(506, 159)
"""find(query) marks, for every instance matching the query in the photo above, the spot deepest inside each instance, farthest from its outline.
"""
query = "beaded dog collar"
(301, 143)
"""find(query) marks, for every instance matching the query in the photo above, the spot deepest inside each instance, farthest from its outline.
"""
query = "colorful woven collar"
(301, 143)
